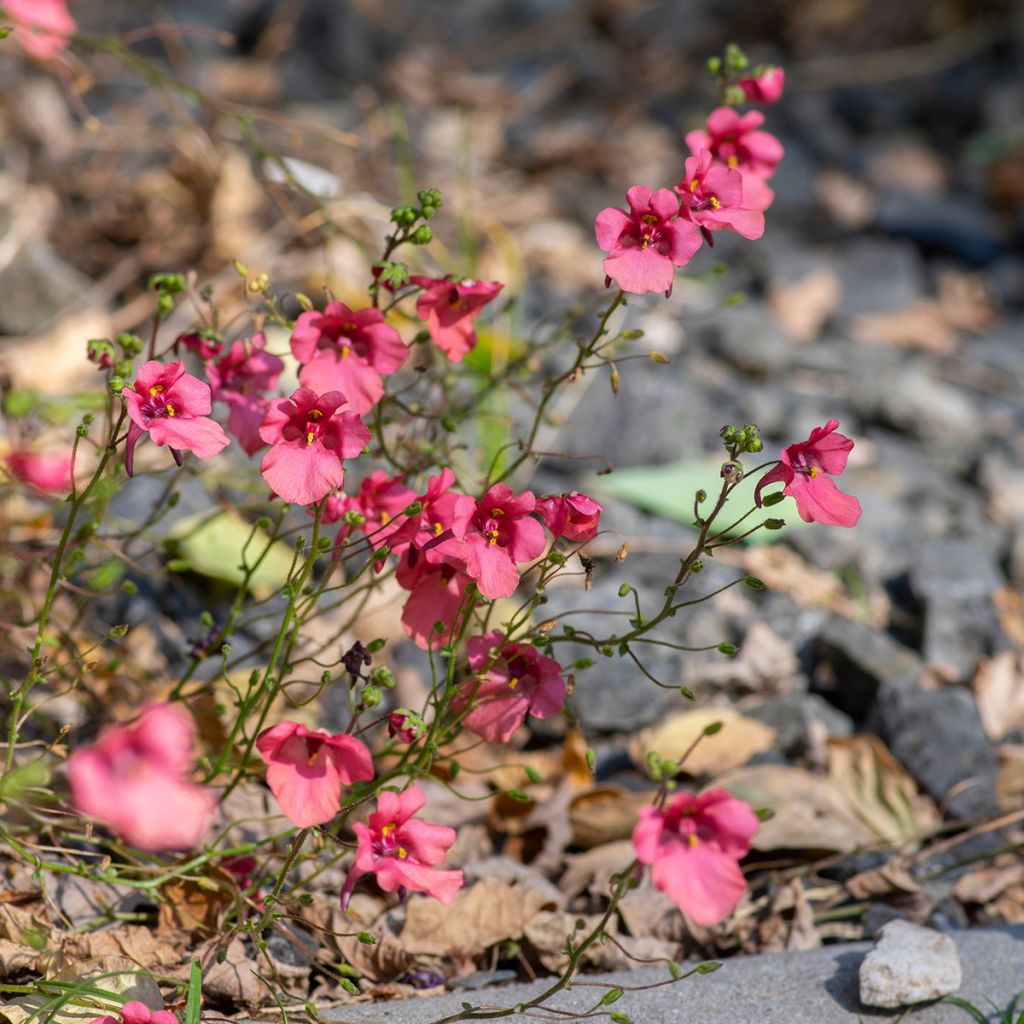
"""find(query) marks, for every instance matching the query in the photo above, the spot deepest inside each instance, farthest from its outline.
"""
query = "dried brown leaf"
(593, 870)
(733, 745)
(999, 693)
(803, 306)
(789, 922)
(493, 910)
(810, 813)
(891, 878)
(878, 789)
(604, 814)
(384, 960)
(232, 980)
(986, 883)
(193, 906)
(921, 325)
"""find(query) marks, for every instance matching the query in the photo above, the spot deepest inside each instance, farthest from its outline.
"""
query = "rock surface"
(908, 965)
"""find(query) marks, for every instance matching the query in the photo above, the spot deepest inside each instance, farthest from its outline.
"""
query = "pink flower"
(309, 438)
(241, 378)
(403, 853)
(134, 1012)
(380, 501)
(347, 351)
(43, 27)
(512, 679)
(803, 467)
(765, 87)
(435, 519)
(436, 594)
(734, 140)
(693, 846)
(645, 245)
(573, 515)
(50, 473)
(306, 770)
(449, 309)
(405, 726)
(716, 197)
(496, 532)
(202, 343)
(173, 406)
(134, 779)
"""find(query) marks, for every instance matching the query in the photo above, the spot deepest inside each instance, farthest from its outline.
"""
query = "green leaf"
(668, 491)
(195, 993)
(214, 548)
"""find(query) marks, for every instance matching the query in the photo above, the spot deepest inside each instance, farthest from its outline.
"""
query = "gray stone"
(878, 277)
(854, 660)
(938, 736)
(793, 715)
(955, 581)
(750, 339)
(37, 285)
(819, 986)
(908, 965)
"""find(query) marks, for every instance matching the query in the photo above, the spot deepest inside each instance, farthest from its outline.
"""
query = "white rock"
(909, 964)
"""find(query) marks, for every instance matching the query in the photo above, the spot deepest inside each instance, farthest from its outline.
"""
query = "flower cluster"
(723, 187)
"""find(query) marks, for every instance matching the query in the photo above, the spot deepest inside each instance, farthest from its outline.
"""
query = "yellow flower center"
(170, 409)
(715, 204)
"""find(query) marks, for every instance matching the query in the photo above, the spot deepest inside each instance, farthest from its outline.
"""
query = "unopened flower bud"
(116, 385)
(304, 301)
(422, 235)
(413, 510)
(625, 590)
(123, 367)
(755, 446)
(660, 358)
(101, 352)
(371, 697)
(383, 677)
(727, 432)
(701, 496)
(404, 216)
(405, 726)
(732, 471)
(615, 380)
(733, 96)
(713, 65)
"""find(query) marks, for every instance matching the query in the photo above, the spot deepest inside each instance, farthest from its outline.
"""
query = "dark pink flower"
(135, 780)
(646, 244)
(449, 308)
(347, 350)
(200, 343)
(306, 770)
(241, 378)
(401, 852)
(734, 140)
(436, 594)
(765, 87)
(806, 468)
(693, 847)
(715, 197)
(496, 532)
(434, 522)
(405, 726)
(50, 473)
(42, 27)
(511, 680)
(174, 407)
(573, 515)
(309, 437)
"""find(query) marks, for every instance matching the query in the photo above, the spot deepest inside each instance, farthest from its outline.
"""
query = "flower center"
(156, 406)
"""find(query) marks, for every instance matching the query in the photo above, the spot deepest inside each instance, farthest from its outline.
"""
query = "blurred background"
(888, 291)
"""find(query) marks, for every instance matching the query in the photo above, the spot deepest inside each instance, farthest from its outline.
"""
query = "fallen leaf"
(986, 883)
(1010, 776)
(999, 693)
(789, 921)
(593, 870)
(809, 812)
(878, 789)
(193, 906)
(921, 325)
(134, 943)
(849, 202)
(605, 813)
(383, 960)
(733, 745)
(493, 910)
(649, 913)
(966, 301)
(803, 306)
(232, 980)
(892, 878)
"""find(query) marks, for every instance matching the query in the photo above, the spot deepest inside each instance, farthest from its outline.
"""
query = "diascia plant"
(352, 465)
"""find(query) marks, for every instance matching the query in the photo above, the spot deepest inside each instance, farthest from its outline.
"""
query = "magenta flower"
(511, 680)
(646, 244)
(347, 350)
(433, 525)
(49, 473)
(806, 468)
(573, 515)
(436, 594)
(306, 770)
(734, 140)
(134, 779)
(716, 197)
(174, 407)
(405, 726)
(401, 852)
(200, 343)
(449, 309)
(241, 378)
(42, 27)
(496, 532)
(693, 847)
(309, 437)
(765, 87)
